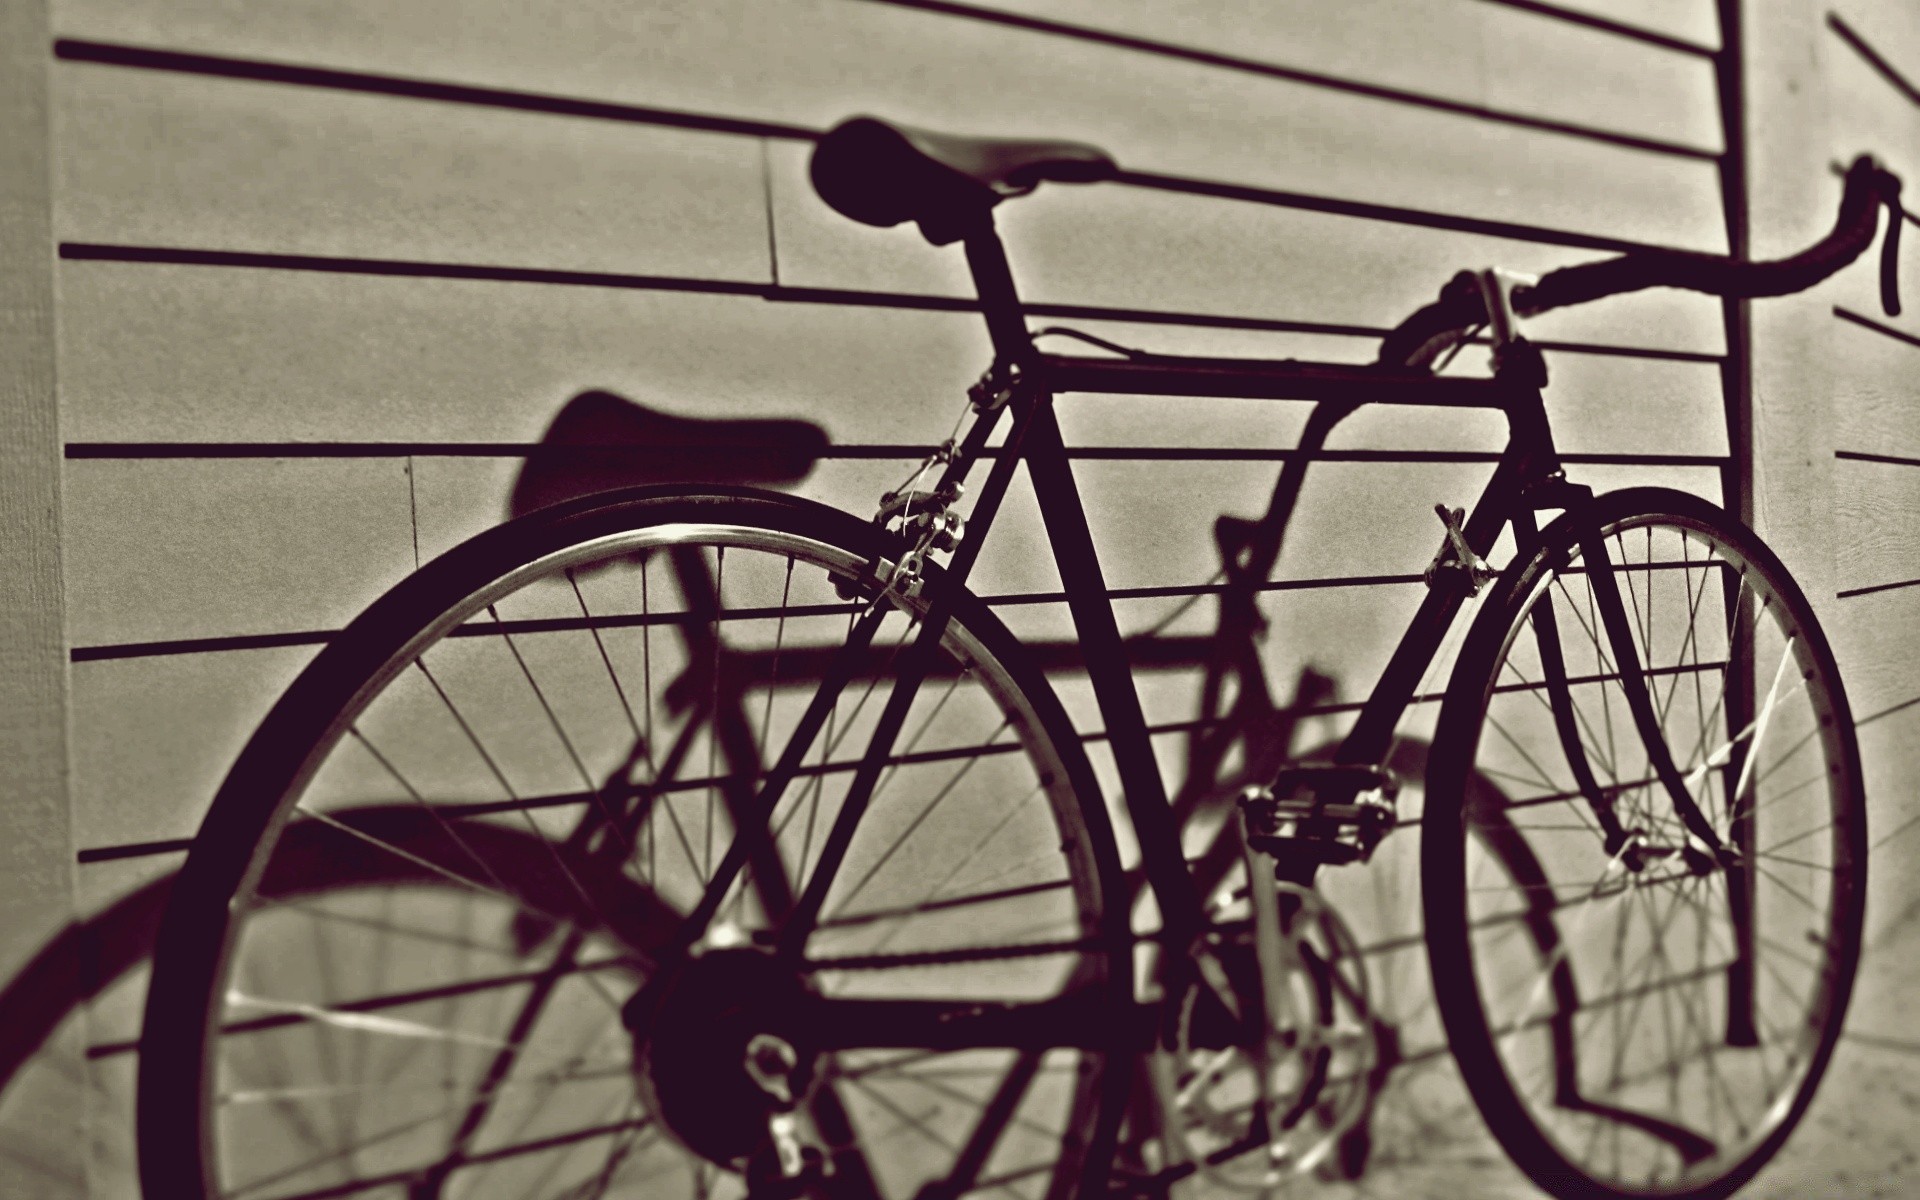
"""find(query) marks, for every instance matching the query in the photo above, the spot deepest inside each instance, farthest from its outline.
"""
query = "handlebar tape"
(1869, 187)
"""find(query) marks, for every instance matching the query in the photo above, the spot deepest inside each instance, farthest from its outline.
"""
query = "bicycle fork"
(1630, 846)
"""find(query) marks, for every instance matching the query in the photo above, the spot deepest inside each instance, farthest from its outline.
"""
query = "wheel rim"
(1614, 987)
(461, 1035)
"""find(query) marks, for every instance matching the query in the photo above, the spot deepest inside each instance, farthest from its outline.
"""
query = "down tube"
(1372, 733)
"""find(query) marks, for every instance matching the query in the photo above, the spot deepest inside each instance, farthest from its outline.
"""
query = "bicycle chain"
(942, 958)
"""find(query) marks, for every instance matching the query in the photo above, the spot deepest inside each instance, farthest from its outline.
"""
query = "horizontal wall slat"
(1877, 533)
(892, 453)
(1117, 247)
(171, 556)
(1686, 28)
(187, 549)
(919, 66)
(401, 360)
(151, 58)
(158, 734)
(1873, 57)
(149, 158)
(1382, 47)
(1873, 642)
(154, 737)
(1877, 411)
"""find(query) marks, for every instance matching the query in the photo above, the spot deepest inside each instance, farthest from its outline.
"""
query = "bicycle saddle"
(879, 173)
(600, 441)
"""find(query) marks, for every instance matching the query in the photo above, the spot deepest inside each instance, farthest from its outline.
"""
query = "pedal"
(1329, 813)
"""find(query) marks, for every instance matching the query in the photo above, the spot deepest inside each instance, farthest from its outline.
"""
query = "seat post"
(999, 300)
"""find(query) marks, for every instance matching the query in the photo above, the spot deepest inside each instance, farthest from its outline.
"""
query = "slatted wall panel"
(37, 1112)
(326, 270)
(1874, 52)
(1836, 437)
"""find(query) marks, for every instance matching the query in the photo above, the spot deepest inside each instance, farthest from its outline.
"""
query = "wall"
(1835, 469)
(36, 849)
(325, 270)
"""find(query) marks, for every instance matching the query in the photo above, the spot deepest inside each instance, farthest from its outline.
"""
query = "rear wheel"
(585, 735)
(1634, 1014)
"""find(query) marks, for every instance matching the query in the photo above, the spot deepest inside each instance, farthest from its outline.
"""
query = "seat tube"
(999, 299)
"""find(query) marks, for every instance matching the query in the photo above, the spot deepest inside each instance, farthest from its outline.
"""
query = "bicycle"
(793, 971)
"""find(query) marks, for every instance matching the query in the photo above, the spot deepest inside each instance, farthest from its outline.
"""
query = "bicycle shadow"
(598, 442)
(1245, 730)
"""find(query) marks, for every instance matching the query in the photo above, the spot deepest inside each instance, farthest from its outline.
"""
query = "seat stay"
(798, 924)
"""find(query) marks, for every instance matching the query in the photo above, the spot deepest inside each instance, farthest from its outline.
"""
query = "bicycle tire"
(1682, 1074)
(550, 598)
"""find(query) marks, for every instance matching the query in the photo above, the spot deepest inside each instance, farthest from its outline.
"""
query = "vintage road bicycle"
(861, 928)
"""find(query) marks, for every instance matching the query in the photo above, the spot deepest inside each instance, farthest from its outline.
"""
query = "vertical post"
(1737, 483)
(36, 840)
(1736, 373)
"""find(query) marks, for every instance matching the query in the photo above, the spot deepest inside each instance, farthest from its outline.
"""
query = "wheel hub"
(718, 1047)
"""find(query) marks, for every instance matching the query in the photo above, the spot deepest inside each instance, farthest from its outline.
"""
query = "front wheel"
(1636, 1010)
(595, 759)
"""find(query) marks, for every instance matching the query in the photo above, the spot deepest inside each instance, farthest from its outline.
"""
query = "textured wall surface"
(325, 269)
(42, 1109)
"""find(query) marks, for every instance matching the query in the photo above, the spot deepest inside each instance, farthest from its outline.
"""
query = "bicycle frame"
(1527, 478)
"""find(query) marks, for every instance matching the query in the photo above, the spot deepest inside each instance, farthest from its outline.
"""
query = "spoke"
(1760, 726)
(1712, 718)
(613, 676)
(1628, 1018)
(1789, 890)
(913, 825)
(586, 1050)
(413, 794)
(797, 745)
(451, 876)
(1604, 667)
(1689, 642)
(927, 904)
(918, 1123)
(360, 1022)
(553, 720)
(1540, 776)
(1714, 913)
(1558, 956)
(1695, 1019)
(713, 699)
(512, 794)
(1809, 738)
(616, 1070)
(268, 1056)
(994, 1115)
(773, 674)
(1589, 740)
(342, 1152)
(591, 1189)
(1723, 753)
